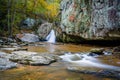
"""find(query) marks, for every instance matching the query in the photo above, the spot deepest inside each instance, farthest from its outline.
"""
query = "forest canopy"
(14, 11)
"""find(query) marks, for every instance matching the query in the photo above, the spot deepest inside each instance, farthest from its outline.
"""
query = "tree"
(12, 12)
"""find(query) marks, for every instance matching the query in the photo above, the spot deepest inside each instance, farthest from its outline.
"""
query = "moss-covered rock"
(98, 51)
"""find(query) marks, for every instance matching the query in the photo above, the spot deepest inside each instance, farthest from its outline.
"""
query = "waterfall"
(83, 60)
(51, 37)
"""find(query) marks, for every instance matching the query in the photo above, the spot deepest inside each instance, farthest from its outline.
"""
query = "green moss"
(67, 38)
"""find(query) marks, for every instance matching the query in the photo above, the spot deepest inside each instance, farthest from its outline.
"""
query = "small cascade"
(51, 38)
(83, 60)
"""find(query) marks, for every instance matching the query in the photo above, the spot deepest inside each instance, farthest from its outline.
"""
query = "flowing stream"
(84, 60)
(70, 57)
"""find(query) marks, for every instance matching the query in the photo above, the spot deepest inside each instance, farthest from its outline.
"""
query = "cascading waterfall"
(51, 38)
(83, 60)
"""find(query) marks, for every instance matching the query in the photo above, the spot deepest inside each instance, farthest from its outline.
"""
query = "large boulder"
(28, 23)
(44, 30)
(32, 58)
(91, 19)
(28, 37)
(98, 51)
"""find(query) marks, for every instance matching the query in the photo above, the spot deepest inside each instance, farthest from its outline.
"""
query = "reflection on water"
(46, 47)
(50, 48)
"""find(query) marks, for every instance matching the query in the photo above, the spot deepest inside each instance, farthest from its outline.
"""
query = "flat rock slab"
(5, 63)
(32, 58)
(27, 37)
(96, 72)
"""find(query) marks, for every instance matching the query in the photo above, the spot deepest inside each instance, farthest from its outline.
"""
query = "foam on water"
(84, 60)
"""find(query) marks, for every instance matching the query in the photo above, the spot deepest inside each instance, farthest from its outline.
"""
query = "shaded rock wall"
(44, 30)
(91, 19)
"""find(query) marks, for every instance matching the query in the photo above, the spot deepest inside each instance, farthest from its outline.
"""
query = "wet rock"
(116, 52)
(44, 30)
(32, 58)
(116, 49)
(96, 72)
(1, 41)
(10, 49)
(43, 59)
(71, 57)
(27, 37)
(3, 55)
(7, 41)
(14, 44)
(109, 74)
(84, 70)
(93, 54)
(5, 63)
(98, 51)
(107, 52)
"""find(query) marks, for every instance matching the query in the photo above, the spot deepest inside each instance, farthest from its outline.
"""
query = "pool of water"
(57, 70)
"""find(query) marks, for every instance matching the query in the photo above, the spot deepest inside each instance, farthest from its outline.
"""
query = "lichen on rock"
(91, 19)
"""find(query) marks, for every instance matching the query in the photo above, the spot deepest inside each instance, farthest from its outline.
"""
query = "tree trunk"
(8, 17)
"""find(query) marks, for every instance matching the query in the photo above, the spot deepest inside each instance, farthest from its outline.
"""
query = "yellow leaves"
(48, 8)
(43, 3)
(52, 9)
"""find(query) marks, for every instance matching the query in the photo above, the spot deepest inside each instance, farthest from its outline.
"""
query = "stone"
(5, 63)
(28, 23)
(96, 72)
(85, 70)
(91, 19)
(28, 37)
(10, 49)
(98, 51)
(32, 58)
(44, 30)
(116, 49)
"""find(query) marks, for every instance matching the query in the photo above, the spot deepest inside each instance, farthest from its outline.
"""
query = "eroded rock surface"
(91, 19)
(5, 63)
(32, 58)
(28, 37)
(44, 30)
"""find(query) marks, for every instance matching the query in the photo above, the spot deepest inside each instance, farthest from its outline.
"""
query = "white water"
(51, 37)
(86, 61)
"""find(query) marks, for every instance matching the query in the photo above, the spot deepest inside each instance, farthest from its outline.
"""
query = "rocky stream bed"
(44, 61)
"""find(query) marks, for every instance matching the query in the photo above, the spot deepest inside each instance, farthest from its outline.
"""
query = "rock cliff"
(91, 19)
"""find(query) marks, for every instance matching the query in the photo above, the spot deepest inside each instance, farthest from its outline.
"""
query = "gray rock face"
(28, 23)
(44, 30)
(32, 58)
(5, 63)
(92, 19)
(27, 37)
(96, 72)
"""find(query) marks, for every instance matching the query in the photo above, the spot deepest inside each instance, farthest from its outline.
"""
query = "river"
(56, 70)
